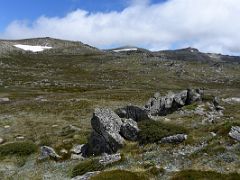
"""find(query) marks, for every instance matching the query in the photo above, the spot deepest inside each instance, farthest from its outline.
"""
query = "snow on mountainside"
(32, 48)
(125, 49)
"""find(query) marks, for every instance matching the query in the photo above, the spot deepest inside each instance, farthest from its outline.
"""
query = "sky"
(209, 25)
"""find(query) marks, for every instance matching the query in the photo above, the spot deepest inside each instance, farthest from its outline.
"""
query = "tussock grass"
(154, 131)
(204, 175)
(86, 166)
(119, 175)
(18, 148)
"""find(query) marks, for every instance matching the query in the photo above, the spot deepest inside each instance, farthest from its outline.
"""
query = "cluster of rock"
(163, 105)
(111, 129)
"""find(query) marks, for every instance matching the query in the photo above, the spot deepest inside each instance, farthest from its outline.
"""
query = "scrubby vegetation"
(119, 175)
(18, 148)
(86, 166)
(204, 175)
(154, 131)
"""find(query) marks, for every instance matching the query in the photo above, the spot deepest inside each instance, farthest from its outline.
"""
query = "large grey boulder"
(105, 137)
(178, 138)
(129, 129)
(235, 133)
(133, 112)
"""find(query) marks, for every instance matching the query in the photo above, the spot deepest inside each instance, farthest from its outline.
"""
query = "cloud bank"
(209, 25)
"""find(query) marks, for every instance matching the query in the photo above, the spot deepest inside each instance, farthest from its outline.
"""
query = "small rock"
(55, 125)
(63, 151)
(1, 140)
(216, 101)
(213, 134)
(232, 100)
(178, 138)
(6, 127)
(48, 152)
(3, 100)
(235, 133)
(20, 137)
(77, 149)
(109, 159)
(77, 157)
(86, 176)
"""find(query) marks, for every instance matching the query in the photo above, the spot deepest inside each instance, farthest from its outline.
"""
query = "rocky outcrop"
(178, 138)
(133, 112)
(105, 137)
(129, 130)
(163, 105)
(235, 133)
(110, 131)
(48, 152)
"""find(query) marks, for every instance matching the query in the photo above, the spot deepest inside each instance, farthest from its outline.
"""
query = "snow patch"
(32, 48)
(125, 49)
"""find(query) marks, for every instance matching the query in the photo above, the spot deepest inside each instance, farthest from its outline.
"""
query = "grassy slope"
(74, 85)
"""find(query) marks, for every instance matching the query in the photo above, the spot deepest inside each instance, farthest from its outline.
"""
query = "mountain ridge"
(67, 47)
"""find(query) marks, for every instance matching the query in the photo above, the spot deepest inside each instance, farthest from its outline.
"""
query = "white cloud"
(210, 25)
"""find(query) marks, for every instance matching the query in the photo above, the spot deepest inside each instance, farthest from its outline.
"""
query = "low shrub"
(224, 128)
(18, 148)
(204, 175)
(154, 131)
(118, 175)
(86, 166)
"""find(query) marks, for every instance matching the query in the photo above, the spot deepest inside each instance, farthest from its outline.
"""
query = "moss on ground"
(18, 148)
(204, 175)
(119, 175)
(86, 166)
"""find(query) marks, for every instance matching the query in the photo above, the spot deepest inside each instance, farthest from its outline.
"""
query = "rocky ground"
(111, 115)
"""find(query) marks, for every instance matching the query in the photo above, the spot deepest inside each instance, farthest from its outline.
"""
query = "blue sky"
(30, 10)
(209, 25)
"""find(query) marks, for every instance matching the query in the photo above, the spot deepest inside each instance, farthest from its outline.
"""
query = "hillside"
(160, 115)
(57, 46)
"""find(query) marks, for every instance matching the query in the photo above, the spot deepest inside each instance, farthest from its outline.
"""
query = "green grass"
(204, 175)
(154, 131)
(18, 148)
(86, 166)
(118, 175)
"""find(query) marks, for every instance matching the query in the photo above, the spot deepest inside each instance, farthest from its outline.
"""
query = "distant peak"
(190, 49)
